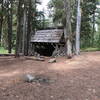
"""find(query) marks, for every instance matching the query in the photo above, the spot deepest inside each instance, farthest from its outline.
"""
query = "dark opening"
(44, 49)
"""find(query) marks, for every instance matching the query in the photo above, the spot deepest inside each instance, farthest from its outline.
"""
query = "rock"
(94, 91)
(37, 79)
(29, 78)
(51, 96)
(41, 79)
(52, 60)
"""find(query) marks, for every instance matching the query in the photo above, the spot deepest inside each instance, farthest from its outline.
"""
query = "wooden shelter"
(47, 41)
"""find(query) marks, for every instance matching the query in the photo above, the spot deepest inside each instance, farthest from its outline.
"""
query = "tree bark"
(10, 27)
(93, 29)
(68, 34)
(29, 28)
(78, 26)
(1, 20)
(25, 30)
(19, 29)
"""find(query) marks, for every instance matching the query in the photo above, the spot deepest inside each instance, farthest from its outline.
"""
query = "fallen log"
(38, 59)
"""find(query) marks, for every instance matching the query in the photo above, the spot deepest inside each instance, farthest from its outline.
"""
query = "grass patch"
(5, 51)
(90, 49)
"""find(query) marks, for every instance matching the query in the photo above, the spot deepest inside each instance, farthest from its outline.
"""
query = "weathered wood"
(38, 59)
(60, 51)
(48, 36)
(52, 60)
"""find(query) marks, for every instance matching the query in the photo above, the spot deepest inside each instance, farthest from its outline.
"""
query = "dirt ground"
(74, 79)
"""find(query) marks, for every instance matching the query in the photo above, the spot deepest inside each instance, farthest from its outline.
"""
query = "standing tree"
(78, 26)
(27, 12)
(67, 7)
(9, 22)
(24, 43)
(94, 21)
(1, 18)
(27, 27)
(19, 28)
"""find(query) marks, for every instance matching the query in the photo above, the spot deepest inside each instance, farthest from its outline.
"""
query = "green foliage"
(90, 49)
(88, 9)
(38, 19)
(5, 51)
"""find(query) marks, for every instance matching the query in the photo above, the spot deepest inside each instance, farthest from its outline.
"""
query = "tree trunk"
(29, 28)
(10, 28)
(78, 26)
(68, 34)
(19, 29)
(1, 20)
(25, 31)
(93, 29)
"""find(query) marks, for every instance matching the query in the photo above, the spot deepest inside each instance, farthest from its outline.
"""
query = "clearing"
(75, 79)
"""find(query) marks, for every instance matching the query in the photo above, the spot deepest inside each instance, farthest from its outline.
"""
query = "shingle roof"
(48, 36)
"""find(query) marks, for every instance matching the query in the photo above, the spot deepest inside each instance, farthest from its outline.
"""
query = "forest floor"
(74, 79)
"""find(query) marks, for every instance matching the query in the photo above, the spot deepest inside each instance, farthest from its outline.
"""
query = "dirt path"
(75, 79)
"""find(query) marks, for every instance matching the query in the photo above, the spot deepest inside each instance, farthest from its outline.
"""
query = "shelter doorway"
(44, 49)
